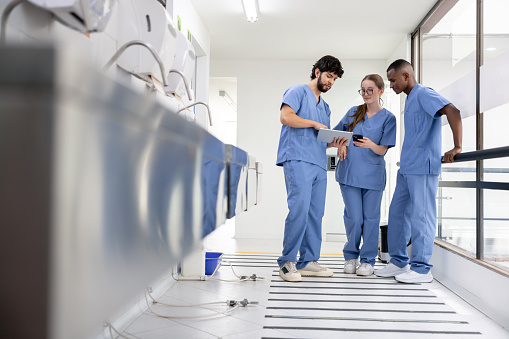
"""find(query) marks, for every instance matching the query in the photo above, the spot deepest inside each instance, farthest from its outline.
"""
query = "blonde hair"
(360, 113)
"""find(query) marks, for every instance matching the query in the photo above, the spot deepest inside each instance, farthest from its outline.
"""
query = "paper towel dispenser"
(149, 22)
(183, 62)
(86, 16)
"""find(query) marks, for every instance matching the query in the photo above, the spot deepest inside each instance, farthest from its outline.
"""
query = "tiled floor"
(316, 308)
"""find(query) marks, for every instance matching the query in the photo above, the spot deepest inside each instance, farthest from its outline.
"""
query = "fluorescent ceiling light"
(229, 100)
(251, 9)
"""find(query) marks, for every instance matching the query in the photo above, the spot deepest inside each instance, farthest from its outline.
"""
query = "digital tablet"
(328, 135)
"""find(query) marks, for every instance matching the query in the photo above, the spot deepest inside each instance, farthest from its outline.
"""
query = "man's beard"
(321, 86)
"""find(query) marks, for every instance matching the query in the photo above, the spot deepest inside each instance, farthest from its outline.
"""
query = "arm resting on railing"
(454, 119)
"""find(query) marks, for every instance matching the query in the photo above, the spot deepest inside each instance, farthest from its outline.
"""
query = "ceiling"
(303, 29)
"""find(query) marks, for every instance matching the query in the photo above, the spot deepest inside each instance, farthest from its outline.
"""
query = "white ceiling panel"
(303, 29)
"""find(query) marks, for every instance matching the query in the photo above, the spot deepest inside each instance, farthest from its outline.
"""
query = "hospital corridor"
(254, 169)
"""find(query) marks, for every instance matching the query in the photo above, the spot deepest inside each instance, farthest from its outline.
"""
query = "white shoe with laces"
(351, 266)
(289, 272)
(365, 269)
(314, 269)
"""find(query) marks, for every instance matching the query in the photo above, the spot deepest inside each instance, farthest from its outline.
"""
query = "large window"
(463, 53)
(494, 107)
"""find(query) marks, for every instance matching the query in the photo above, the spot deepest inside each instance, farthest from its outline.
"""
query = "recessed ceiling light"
(251, 9)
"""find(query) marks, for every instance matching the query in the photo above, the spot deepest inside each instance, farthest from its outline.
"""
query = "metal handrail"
(499, 152)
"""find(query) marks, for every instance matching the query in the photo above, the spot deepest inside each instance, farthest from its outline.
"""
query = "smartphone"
(357, 137)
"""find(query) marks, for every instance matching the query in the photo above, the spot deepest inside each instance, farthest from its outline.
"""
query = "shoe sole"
(415, 281)
(364, 274)
(388, 275)
(316, 274)
(290, 279)
(349, 272)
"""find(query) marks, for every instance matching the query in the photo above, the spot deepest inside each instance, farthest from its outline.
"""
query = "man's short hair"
(328, 63)
(399, 65)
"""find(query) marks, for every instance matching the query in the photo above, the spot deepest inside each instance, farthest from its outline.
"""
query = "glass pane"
(495, 73)
(456, 217)
(460, 171)
(496, 228)
(496, 170)
(496, 29)
(449, 63)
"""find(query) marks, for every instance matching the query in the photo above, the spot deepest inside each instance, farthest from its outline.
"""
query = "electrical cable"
(110, 327)
(158, 302)
(253, 277)
(233, 303)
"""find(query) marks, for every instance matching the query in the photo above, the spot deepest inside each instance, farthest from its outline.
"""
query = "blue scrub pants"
(306, 185)
(362, 219)
(413, 214)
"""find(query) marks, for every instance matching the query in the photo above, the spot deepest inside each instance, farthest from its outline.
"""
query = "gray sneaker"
(314, 269)
(391, 270)
(351, 266)
(289, 272)
(365, 269)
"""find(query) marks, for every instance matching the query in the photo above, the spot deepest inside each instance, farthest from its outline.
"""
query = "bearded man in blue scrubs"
(412, 214)
(304, 160)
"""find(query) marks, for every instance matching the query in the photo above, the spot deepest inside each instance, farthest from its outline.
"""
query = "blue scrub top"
(362, 167)
(422, 147)
(301, 143)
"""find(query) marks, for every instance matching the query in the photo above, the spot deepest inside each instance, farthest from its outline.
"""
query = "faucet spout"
(144, 44)
(189, 95)
(199, 103)
(7, 11)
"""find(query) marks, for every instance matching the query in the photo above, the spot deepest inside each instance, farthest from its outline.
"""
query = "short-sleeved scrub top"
(422, 148)
(301, 143)
(362, 167)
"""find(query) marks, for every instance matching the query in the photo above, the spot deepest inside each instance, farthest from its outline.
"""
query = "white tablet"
(328, 135)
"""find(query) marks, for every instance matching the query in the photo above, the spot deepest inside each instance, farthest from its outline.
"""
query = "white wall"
(481, 287)
(260, 88)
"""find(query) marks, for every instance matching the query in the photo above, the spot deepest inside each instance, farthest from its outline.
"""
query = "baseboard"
(135, 310)
(483, 288)
(335, 237)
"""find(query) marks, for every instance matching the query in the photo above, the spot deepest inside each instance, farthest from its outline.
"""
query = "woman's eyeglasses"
(368, 91)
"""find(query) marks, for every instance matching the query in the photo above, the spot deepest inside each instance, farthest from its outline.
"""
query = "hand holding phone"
(357, 137)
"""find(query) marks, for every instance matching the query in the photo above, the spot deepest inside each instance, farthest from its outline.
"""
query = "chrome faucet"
(7, 11)
(185, 83)
(198, 103)
(142, 43)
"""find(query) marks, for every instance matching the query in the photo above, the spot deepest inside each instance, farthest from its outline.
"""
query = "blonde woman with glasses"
(361, 174)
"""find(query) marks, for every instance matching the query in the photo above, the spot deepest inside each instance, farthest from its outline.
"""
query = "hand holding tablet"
(328, 135)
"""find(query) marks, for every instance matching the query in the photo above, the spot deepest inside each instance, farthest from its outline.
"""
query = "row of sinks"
(102, 190)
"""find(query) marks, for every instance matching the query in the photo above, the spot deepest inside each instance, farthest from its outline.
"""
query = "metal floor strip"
(376, 302)
(356, 310)
(352, 288)
(424, 321)
(355, 295)
(286, 328)
(388, 312)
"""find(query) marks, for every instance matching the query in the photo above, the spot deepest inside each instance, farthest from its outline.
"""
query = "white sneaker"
(314, 269)
(412, 277)
(365, 269)
(289, 273)
(351, 266)
(391, 270)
